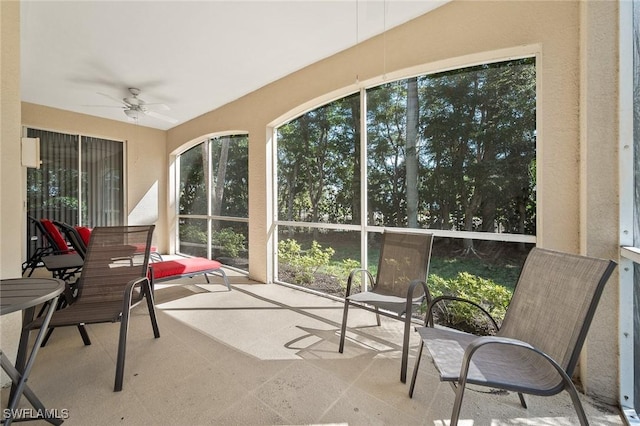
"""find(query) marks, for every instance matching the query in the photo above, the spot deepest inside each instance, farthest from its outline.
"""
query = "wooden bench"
(188, 267)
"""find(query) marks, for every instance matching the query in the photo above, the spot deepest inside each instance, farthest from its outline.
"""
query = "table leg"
(23, 375)
(31, 396)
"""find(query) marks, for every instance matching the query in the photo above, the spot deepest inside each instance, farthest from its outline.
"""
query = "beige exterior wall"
(599, 184)
(575, 43)
(11, 198)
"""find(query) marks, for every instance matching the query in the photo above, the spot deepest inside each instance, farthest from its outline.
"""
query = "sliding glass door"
(80, 181)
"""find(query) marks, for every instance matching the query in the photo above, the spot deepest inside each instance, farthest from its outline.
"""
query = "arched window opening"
(453, 153)
(213, 200)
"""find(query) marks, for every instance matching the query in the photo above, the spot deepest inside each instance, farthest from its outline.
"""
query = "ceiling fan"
(134, 107)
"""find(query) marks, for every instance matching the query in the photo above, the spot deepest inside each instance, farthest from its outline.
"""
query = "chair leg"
(152, 311)
(343, 329)
(455, 415)
(405, 348)
(577, 405)
(415, 370)
(122, 350)
(522, 401)
(47, 336)
(226, 279)
(84, 335)
(378, 317)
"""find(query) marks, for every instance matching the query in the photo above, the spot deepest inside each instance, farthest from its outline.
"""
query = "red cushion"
(85, 234)
(55, 234)
(141, 246)
(170, 268)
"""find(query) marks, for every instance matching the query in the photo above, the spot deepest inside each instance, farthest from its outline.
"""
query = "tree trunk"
(218, 191)
(411, 162)
(355, 178)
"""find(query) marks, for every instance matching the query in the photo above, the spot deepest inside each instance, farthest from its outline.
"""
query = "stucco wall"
(10, 170)
(599, 192)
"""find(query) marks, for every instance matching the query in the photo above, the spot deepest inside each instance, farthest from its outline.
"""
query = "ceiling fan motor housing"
(133, 99)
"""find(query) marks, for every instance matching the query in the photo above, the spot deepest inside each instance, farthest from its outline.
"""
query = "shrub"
(303, 262)
(231, 242)
(493, 297)
(341, 271)
(192, 234)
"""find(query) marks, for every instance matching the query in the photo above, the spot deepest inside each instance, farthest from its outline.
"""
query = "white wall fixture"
(31, 152)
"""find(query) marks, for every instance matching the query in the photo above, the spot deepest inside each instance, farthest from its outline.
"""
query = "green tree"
(318, 165)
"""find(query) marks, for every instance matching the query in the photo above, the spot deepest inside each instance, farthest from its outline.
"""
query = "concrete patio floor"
(263, 355)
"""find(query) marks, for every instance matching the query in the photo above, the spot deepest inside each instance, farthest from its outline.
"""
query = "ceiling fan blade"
(103, 106)
(160, 116)
(157, 106)
(120, 101)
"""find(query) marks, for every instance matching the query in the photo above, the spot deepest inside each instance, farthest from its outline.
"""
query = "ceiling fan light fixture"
(132, 100)
(132, 114)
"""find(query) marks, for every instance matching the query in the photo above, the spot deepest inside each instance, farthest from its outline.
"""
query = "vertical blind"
(52, 190)
(80, 181)
(102, 182)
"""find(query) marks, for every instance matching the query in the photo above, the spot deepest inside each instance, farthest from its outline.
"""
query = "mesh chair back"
(113, 259)
(404, 257)
(554, 302)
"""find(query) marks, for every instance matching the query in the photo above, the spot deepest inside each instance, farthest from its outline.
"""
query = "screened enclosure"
(452, 152)
(214, 199)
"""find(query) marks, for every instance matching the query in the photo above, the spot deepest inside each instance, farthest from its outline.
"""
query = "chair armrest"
(411, 289)
(351, 277)
(128, 291)
(492, 340)
(429, 315)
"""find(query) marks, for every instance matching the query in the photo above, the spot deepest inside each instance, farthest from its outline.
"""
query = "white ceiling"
(191, 56)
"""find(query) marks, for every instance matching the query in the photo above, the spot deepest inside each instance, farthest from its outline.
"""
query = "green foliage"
(192, 234)
(349, 265)
(61, 202)
(229, 178)
(304, 262)
(505, 273)
(491, 296)
(451, 150)
(341, 270)
(232, 243)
